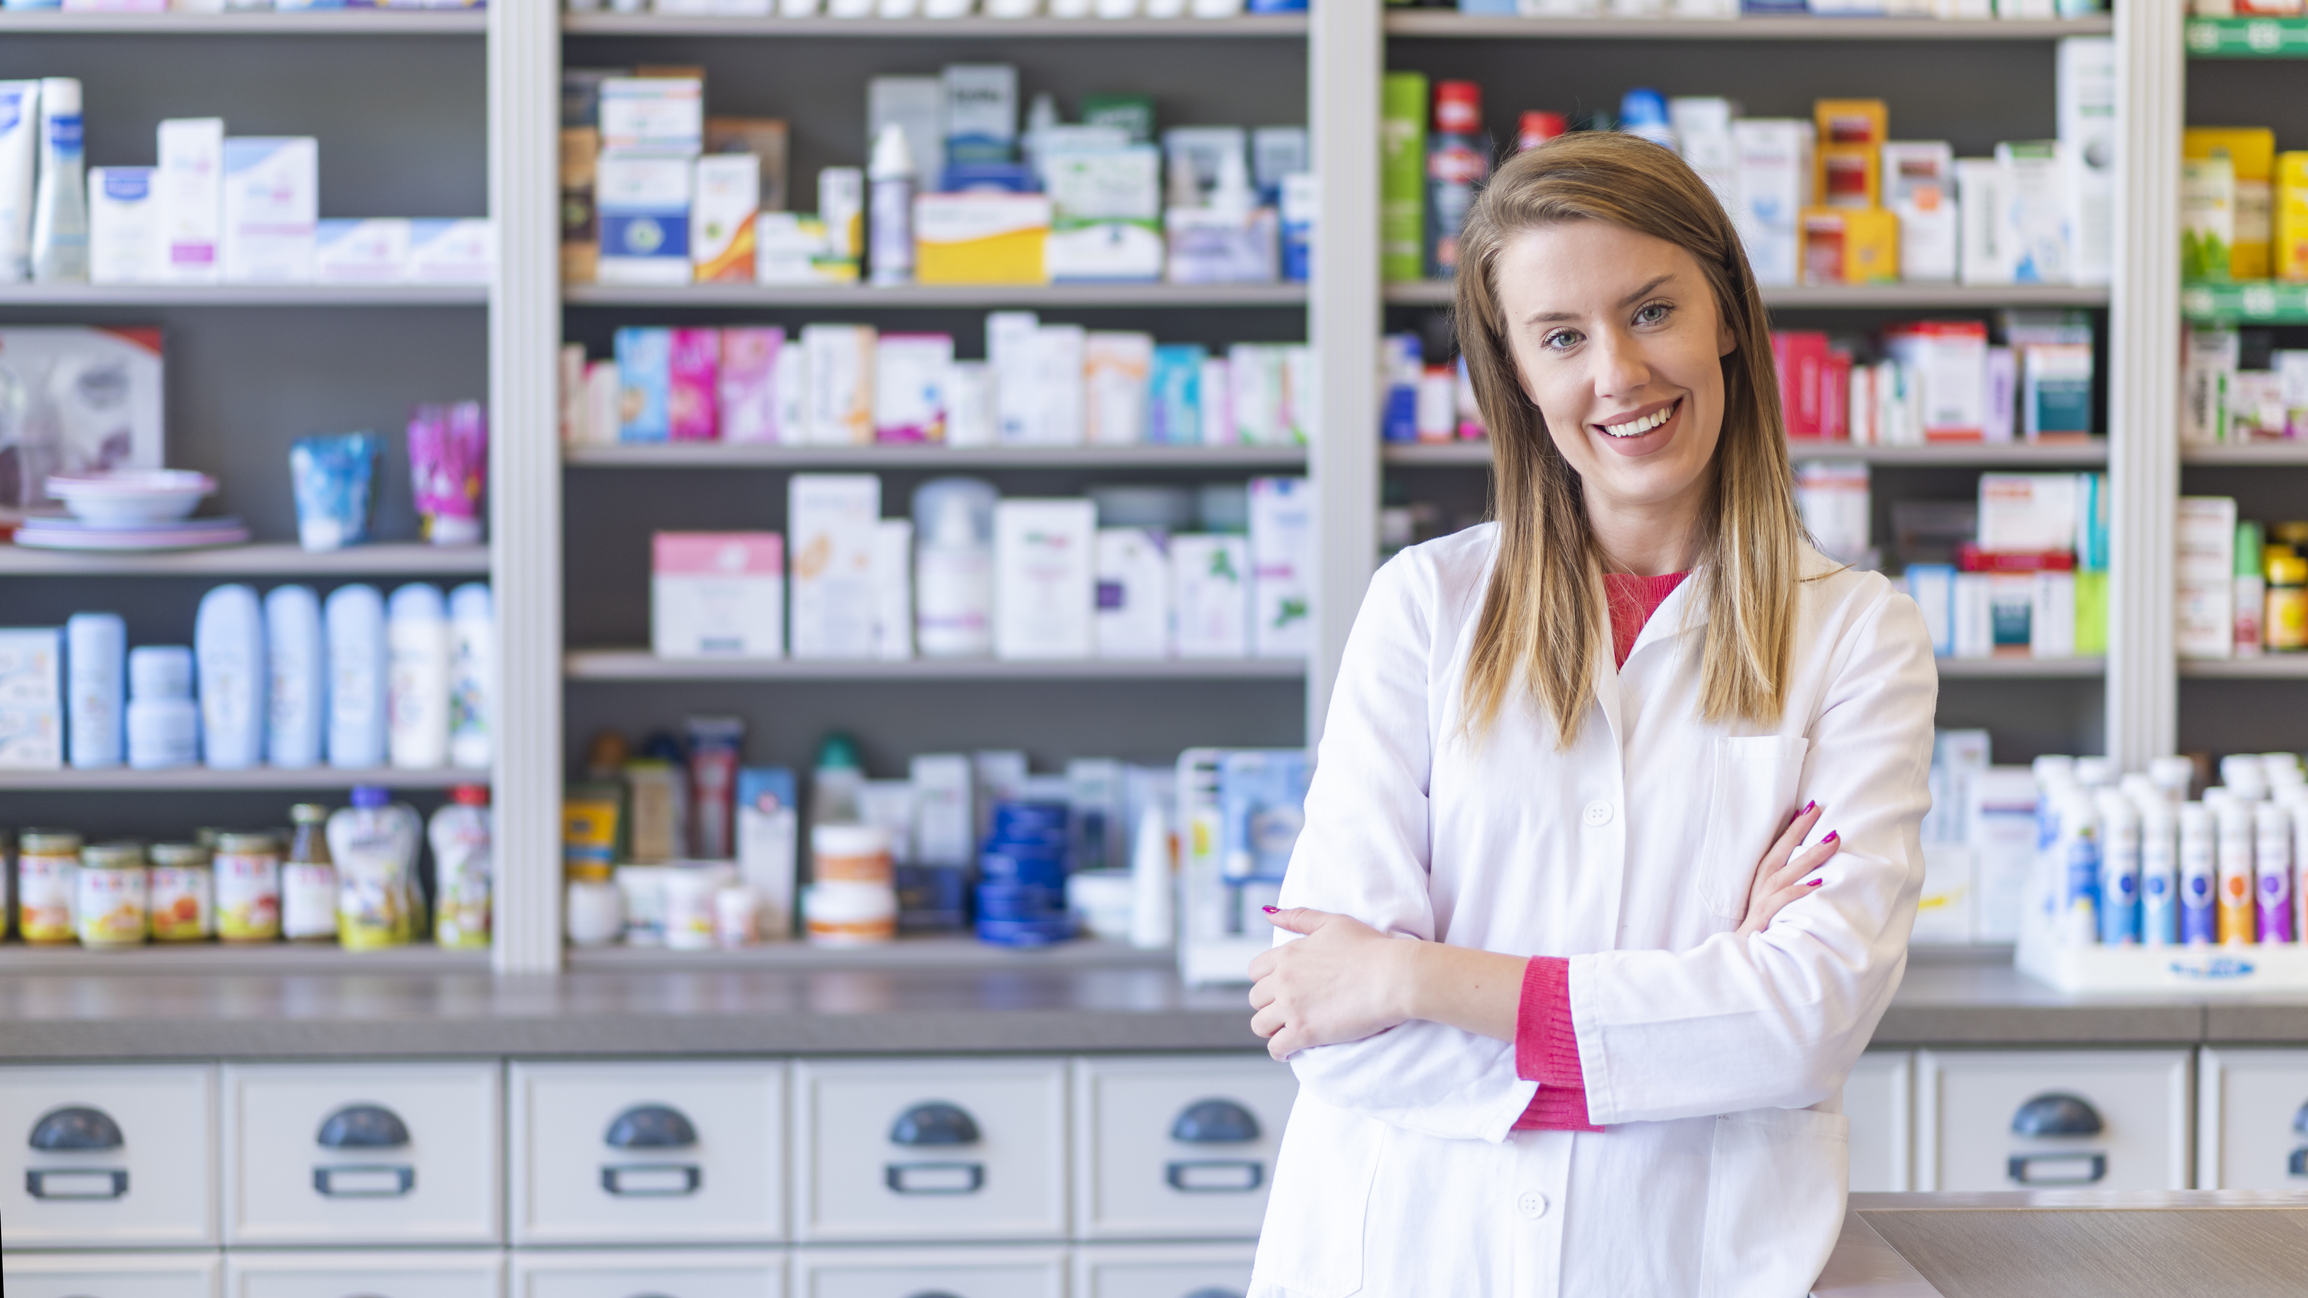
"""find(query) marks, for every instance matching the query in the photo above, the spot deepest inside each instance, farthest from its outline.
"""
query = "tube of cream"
(19, 123)
(332, 474)
(448, 461)
(60, 199)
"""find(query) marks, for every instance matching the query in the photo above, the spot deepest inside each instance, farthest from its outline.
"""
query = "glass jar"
(47, 865)
(308, 885)
(247, 887)
(111, 896)
(183, 893)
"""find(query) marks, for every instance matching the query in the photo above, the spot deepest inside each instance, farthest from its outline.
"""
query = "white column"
(1345, 53)
(525, 477)
(2143, 383)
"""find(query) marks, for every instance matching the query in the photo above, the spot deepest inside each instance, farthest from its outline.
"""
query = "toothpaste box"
(1281, 567)
(643, 202)
(653, 115)
(831, 518)
(747, 383)
(692, 356)
(1174, 398)
(32, 699)
(1210, 595)
(840, 364)
(981, 238)
(644, 381)
(1045, 578)
(721, 217)
(717, 594)
(457, 251)
(1773, 168)
(189, 189)
(271, 205)
(372, 251)
(123, 226)
(1133, 596)
(1115, 370)
(909, 378)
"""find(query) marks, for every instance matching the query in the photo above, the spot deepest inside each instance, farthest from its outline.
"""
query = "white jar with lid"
(851, 854)
(850, 914)
(163, 721)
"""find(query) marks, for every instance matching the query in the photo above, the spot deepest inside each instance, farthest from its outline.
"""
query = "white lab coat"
(1716, 1065)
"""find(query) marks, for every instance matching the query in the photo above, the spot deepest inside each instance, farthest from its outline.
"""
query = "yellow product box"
(2251, 151)
(981, 238)
(2291, 248)
(1845, 245)
(1848, 167)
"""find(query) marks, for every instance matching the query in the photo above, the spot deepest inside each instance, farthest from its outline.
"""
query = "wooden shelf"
(294, 22)
(2022, 668)
(1869, 297)
(641, 665)
(950, 296)
(2247, 38)
(196, 295)
(1957, 455)
(257, 779)
(725, 455)
(974, 28)
(1434, 23)
(264, 560)
(2266, 667)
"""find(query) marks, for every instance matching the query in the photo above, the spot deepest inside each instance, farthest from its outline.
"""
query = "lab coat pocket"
(1748, 802)
(1312, 1242)
(1775, 1191)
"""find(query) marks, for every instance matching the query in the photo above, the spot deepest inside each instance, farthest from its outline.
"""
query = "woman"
(1573, 1004)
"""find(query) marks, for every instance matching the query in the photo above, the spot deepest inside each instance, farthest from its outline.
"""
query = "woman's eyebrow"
(1543, 317)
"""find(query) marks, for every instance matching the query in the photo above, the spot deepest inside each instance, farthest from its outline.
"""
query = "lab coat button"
(1532, 1204)
(1598, 813)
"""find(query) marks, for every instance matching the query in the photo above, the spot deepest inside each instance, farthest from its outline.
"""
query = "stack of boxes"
(2032, 581)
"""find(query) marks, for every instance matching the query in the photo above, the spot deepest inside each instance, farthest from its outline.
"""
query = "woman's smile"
(1644, 429)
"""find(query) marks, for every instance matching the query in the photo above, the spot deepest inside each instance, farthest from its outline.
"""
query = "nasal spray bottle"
(2159, 875)
(2272, 866)
(2238, 873)
(890, 209)
(2119, 869)
(2199, 876)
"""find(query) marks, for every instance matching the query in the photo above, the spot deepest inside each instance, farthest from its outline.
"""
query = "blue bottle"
(228, 653)
(296, 659)
(354, 617)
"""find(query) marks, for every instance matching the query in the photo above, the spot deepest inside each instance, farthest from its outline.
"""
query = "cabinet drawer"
(669, 1152)
(1170, 1148)
(2250, 1107)
(596, 1274)
(2007, 1120)
(1878, 1098)
(478, 1273)
(1162, 1271)
(930, 1273)
(930, 1150)
(108, 1157)
(117, 1275)
(362, 1153)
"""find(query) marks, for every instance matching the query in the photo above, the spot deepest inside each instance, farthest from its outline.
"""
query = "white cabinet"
(930, 1273)
(2038, 1119)
(1163, 1270)
(411, 1273)
(112, 1275)
(113, 1156)
(2252, 1119)
(587, 1273)
(946, 1149)
(666, 1152)
(1878, 1097)
(367, 1153)
(1176, 1148)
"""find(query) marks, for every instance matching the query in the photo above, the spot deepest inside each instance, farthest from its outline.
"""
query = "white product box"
(1210, 595)
(1302, 395)
(917, 106)
(839, 361)
(1703, 127)
(831, 518)
(981, 116)
(1773, 186)
(190, 191)
(32, 699)
(1974, 630)
(374, 251)
(1106, 214)
(454, 251)
(1943, 914)
(1217, 403)
(769, 846)
(790, 379)
(271, 204)
(909, 386)
(727, 199)
(2037, 210)
(1833, 499)
(2204, 540)
(1044, 578)
(2209, 358)
(2086, 80)
(1013, 358)
(1133, 616)
(2002, 393)
(968, 389)
(2052, 617)
(1282, 549)
(945, 819)
(123, 226)
(1115, 370)
(1256, 389)
(1932, 587)
(717, 594)
(2027, 513)
(1919, 187)
(894, 589)
(2000, 825)
(1947, 364)
(1988, 252)
(107, 386)
(789, 249)
(642, 201)
(1058, 373)
(604, 395)
(652, 114)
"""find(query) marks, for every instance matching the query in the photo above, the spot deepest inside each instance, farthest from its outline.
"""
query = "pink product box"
(748, 384)
(690, 392)
(717, 554)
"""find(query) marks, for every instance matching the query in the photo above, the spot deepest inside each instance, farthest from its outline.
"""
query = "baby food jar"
(110, 899)
(183, 893)
(247, 887)
(47, 860)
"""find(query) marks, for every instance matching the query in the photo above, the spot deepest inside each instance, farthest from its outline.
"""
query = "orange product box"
(1849, 165)
(1850, 246)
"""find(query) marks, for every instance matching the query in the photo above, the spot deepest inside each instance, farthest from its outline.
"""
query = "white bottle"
(954, 568)
(163, 721)
(472, 676)
(417, 689)
(96, 689)
(296, 662)
(228, 649)
(60, 197)
(355, 618)
(1153, 887)
(19, 129)
(890, 208)
(461, 868)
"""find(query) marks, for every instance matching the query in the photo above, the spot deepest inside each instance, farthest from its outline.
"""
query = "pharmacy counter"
(2056, 1244)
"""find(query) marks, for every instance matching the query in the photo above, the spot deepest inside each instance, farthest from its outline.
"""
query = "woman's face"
(1617, 340)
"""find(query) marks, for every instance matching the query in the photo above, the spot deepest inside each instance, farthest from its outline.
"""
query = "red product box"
(1801, 358)
(692, 402)
(1970, 558)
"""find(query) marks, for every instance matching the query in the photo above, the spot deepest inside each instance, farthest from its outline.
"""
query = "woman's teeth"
(1638, 427)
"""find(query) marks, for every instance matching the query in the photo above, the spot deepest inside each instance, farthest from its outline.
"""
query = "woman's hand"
(1779, 875)
(1343, 981)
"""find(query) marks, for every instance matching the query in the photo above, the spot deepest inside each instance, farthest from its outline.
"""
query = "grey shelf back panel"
(2243, 716)
(2027, 717)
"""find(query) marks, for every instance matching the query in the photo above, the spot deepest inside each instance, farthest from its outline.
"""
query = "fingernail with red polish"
(1830, 837)
(1271, 910)
(1815, 883)
(1807, 808)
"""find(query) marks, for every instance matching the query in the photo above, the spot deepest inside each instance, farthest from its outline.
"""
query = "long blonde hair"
(1544, 616)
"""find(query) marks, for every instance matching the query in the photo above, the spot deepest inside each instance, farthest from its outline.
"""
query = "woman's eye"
(1652, 313)
(1561, 339)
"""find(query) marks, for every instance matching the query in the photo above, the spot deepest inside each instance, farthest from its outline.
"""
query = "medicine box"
(790, 248)
(271, 205)
(747, 383)
(123, 226)
(838, 361)
(768, 843)
(460, 250)
(1013, 357)
(32, 698)
(831, 518)
(372, 251)
(644, 379)
(1919, 189)
(693, 357)
(2028, 513)
(109, 410)
(1106, 214)
(981, 238)
(1210, 595)
(981, 117)
(1044, 578)
(721, 218)
(909, 381)
(717, 594)
(643, 200)
(916, 106)
(2034, 213)
(1060, 353)
(1174, 404)
(189, 189)
(945, 822)
(893, 589)
(1115, 369)
(1773, 160)
(1281, 567)
(1133, 596)
(653, 115)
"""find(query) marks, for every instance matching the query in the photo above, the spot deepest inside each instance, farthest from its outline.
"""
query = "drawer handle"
(1215, 1292)
(934, 1178)
(2058, 1169)
(935, 1123)
(76, 1127)
(2299, 1164)
(363, 1126)
(2056, 1113)
(931, 1293)
(1215, 1122)
(652, 1180)
(651, 1126)
(1216, 1176)
(365, 1181)
(75, 1182)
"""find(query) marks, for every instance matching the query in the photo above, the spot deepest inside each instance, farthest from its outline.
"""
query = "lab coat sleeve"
(1776, 1019)
(1365, 852)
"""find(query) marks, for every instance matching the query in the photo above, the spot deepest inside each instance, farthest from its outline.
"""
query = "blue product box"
(1174, 395)
(645, 380)
(1403, 358)
(933, 899)
(1262, 807)
(1026, 932)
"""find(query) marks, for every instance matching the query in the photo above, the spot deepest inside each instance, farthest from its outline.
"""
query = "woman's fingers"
(1261, 994)
(1298, 919)
(1267, 1021)
(1788, 884)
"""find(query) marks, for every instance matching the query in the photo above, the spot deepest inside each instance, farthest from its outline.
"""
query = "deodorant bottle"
(472, 675)
(354, 617)
(417, 680)
(228, 649)
(96, 689)
(296, 657)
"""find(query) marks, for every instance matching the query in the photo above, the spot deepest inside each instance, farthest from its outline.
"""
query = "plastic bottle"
(163, 721)
(297, 666)
(228, 643)
(2079, 852)
(2272, 871)
(835, 785)
(890, 215)
(417, 689)
(2119, 869)
(2199, 876)
(2251, 597)
(2159, 875)
(374, 843)
(96, 689)
(460, 834)
(954, 568)
(1536, 128)
(2095, 773)
(1643, 112)
(472, 676)
(1152, 885)
(355, 619)
(2172, 776)
(1458, 160)
(2238, 876)
(60, 197)
(308, 885)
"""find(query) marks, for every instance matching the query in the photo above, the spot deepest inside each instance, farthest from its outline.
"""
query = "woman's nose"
(1619, 366)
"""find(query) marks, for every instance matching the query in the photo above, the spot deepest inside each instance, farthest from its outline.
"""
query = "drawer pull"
(2058, 1169)
(931, 1293)
(363, 1126)
(2300, 1120)
(1215, 1122)
(1216, 1176)
(370, 1181)
(2056, 1113)
(75, 1182)
(651, 1126)
(652, 1180)
(2299, 1163)
(76, 1127)
(1215, 1292)
(935, 1123)
(934, 1178)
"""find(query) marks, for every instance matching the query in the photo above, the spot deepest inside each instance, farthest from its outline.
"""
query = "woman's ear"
(1726, 342)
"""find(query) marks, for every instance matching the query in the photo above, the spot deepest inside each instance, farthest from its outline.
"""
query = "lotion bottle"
(954, 568)
(890, 241)
(60, 198)
(355, 620)
(96, 689)
(296, 660)
(19, 129)
(472, 676)
(228, 653)
(417, 688)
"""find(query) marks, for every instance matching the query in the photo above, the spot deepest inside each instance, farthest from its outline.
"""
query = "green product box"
(1402, 177)
(1132, 113)
(2091, 614)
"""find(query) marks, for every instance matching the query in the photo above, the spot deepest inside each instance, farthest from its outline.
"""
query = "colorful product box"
(653, 115)
(1116, 368)
(189, 188)
(644, 381)
(1210, 595)
(2035, 212)
(1948, 359)
(1282, 548)
(1919, 189)
(1045, 578)
(1174, 404)
(721, 218)
(1849, 245)
(32, 699)
(691, 383)
(909, 381)
(271, 206)
(1800, 357)
(1402, 177)
(1106, 214)
(643, 201)
(791, 248)
(717, 594)
(747, 383)
(981, 238)
(1851, 133)
(832, 518)
(2251, 155)
(2290, 253)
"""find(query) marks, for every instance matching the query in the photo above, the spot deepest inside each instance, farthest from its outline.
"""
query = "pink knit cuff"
(1547, 1049)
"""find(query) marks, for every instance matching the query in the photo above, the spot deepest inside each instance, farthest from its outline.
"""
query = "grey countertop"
(916, 999)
